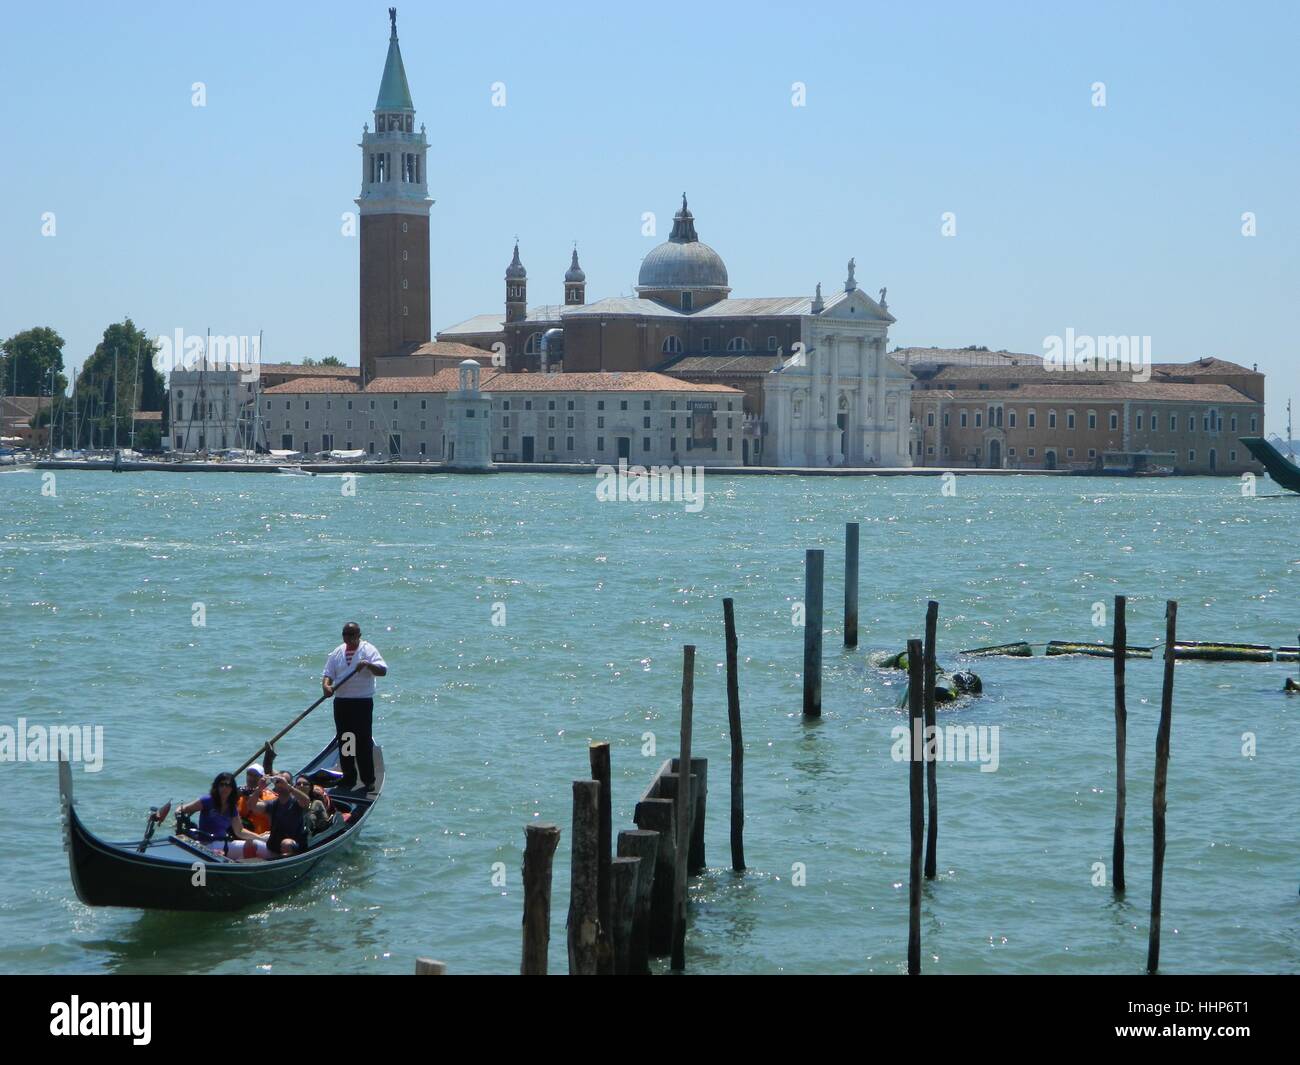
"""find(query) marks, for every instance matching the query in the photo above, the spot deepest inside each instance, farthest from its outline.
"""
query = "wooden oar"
(280, 735)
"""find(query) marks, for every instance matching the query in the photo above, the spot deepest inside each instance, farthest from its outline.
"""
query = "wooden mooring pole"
(683, 811)
(1119, 641)
(637, 843)
(851, 584)
(737, 745)
(584, 879)
(1162, 777)
(931, 766)
(540, 841)
(623, 874)
(814, 561)
(916, 786)
(430, 967)
(599, 755)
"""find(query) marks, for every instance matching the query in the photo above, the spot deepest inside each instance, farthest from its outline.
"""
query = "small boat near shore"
(178, 872)
(295, 471)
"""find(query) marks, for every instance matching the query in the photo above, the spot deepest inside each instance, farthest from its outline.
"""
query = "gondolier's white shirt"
(362, 686)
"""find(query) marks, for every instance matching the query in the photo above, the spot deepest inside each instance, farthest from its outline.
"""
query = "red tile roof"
(333, 385)
(309, 371)
(1077, 392)
(491, 380)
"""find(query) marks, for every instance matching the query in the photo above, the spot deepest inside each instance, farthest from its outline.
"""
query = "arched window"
(738, 344)
(672, 346)
(533, 345)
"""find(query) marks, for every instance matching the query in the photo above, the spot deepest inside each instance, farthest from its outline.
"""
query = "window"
(1069, 420)
(1031, 452)
(1092, 452)
(505, 404)
(505, 443)
(706, 344)
(600, 443)
(1139, 421)
(645, 423)
(672, 423)
(528, 404)
(945, 419)
(1033, 420)
(671, 346)
(963, 419)
(1232, 456)
(929, 419)
(738, 344)
(1233, 423)
(687, 302)
(569, 442)
(505, 421)
(1191, 455)
(1092, 419)
(550, 443)
(600, 421)
(645, 443)
(600, 404)
(1051, 419)
(1252, 422)
(1114, 419)
(622, 404)
(1011, 423)
(423, 404)
(349, 404)
(422, 445)
(570, 422)
(1069, 452)
(979, 418)
(1191, 423)
(550, 421)
(550, 404)
(570, 405)
(1173, 423)
(645, 405)
(1011, 452)
(771, 343)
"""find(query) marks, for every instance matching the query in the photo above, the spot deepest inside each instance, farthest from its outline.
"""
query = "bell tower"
(575, 283)
(516, 289)
(394, 203)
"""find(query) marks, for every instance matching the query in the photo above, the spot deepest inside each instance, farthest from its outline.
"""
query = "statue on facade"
(392, 19)
(851, 283)
(883, 304)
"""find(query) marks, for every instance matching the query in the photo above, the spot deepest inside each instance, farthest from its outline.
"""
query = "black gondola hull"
(176, 874)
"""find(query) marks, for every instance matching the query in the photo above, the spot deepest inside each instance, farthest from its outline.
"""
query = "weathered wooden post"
(931, 766)
(598, 753)
(916, 786)
(540, 841)
(683, 811)
(737, 745)
(656, 815)
(695, 861)
(623, 874)
(584, 879)
(1162, 776)
(1119, 643)
(851, 584)
(814, 560)
(429, 967)
(637, 843)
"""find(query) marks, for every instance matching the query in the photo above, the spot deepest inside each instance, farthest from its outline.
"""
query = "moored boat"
(178, 872)
(1280, 468)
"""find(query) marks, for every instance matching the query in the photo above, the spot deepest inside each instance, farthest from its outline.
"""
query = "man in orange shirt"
(249, 798)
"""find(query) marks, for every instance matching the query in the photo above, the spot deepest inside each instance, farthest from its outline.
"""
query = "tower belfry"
(394, 203)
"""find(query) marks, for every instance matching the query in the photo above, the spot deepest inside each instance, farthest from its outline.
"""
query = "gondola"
(1280, 468)
(179, 873)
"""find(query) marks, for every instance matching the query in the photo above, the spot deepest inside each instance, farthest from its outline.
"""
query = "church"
(818, 388)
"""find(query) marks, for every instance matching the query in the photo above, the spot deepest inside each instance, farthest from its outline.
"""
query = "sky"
(120, 197)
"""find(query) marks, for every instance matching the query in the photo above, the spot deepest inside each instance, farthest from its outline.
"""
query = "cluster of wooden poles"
(628, 907)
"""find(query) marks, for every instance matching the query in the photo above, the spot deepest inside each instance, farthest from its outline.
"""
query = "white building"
(841, 400)
(211, 410)
(644, 417)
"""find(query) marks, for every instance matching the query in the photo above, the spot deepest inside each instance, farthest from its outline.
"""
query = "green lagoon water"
(485, 726)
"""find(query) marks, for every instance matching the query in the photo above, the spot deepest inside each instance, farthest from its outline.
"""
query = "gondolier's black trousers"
(355, 716)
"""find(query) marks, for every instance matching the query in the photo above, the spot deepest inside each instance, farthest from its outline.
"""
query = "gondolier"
(354, 703)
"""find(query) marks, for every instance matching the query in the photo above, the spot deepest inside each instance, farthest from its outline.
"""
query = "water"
(485, 726)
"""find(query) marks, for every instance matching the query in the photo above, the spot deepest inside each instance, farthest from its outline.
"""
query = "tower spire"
(683, 226)
(394, 92)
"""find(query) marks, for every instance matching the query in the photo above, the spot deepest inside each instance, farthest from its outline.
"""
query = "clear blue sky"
(1117, 220)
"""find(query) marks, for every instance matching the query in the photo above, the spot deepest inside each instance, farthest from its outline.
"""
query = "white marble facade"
(841, 400)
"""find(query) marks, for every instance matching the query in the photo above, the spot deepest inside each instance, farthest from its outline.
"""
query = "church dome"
(683, 261)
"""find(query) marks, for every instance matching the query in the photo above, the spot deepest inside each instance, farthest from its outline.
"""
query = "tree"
(28, 357)
(331, 360)
(139, 385)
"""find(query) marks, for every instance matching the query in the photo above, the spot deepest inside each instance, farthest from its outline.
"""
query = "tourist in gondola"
(354, 704)
(219, 819)
(288, 833)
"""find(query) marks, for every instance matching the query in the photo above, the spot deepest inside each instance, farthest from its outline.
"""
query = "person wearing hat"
(253, 792)
(354, 704)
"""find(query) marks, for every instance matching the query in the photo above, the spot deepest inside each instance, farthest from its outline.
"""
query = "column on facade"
(833, 399)
(878, 422)
(864, 378)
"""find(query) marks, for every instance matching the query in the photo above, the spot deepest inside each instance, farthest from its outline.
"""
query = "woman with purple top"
(219, 820)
